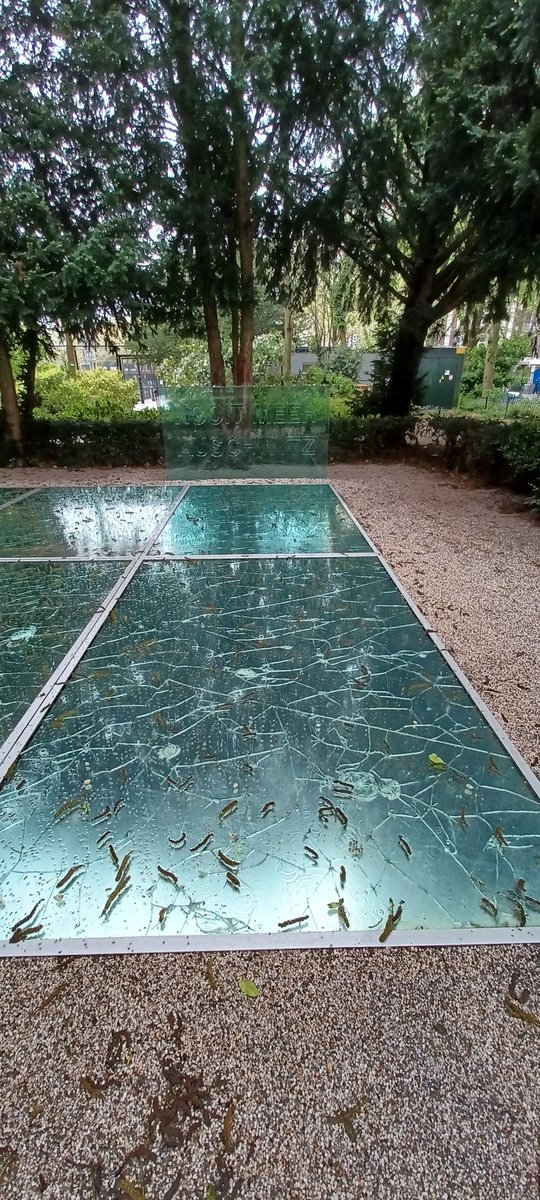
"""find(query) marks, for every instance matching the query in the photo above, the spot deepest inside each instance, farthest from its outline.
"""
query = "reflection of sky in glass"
(257, 701)
(72, 522)
(276, 518)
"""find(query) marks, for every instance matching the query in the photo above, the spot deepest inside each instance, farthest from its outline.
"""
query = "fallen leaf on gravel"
(119, 1041)
(8, 1158)
(514, 1010)
(435, 761)
(248, 988)
(94, 1090)
(211, 975)
(132, 1190)
(227, 1128)
(521, 997)
(345, 1118)
(52, 996)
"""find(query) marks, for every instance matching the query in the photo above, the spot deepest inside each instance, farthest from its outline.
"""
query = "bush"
(510, 352)
(342, 360)
(522, 453)
(356, 436)
(341, 388)
(471, 444)
(189, 367)
(495, 451)
(88, 396)
(135, 443)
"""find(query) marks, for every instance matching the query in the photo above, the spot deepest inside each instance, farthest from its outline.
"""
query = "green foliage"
(366, 437)
(431, 185)
(341, 387)
(510, 352)
(267, 354)
(89, 395)
(187, 365)
(133, 443)
(522, 452)
(472, 444)
(342, 360)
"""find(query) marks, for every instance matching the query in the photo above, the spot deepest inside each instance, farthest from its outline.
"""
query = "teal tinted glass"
(43, 608)
(72, 522)
(263, 740)
(276, 518)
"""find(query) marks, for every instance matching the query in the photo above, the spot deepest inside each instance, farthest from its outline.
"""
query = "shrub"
(189, 366)
(522, 452)
(370, 437)
(341, 388)
(342, 360)
(89, 395)
(472, 444)
(509, 353)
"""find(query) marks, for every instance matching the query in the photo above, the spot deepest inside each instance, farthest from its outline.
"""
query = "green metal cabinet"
(440, 370)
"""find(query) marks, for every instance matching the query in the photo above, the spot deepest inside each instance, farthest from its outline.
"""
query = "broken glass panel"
(265, 739)
(43, 608)
(245, 432)
(77, 522)
(276, 518)
(9, 493)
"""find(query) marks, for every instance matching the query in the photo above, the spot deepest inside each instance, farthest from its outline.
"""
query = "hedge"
(493, 451)
(135, 443)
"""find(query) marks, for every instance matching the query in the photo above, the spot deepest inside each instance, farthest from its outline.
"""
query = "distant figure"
(534, 346)
(536, 381)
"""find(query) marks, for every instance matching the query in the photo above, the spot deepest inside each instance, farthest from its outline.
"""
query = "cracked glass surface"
(74, 522)
(289, 722)
(43, 607)
(276, 518)
(9, 493)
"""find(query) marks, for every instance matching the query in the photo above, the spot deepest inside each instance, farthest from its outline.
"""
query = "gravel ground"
(388, 1073)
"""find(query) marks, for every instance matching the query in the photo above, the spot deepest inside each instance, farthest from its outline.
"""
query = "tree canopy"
(180, 163)
(432, 184)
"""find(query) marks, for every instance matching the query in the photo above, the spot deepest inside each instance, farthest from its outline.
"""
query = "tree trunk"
(31, 346)
(243, 197)
(491, 356)
(235, 329)
(287, 342)
(71, 354)
(8, 392)
(471, 324)
(518, 319)
(185, 98)
(343, 337)
(451, 326)
(213, 341)
(407, 353)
